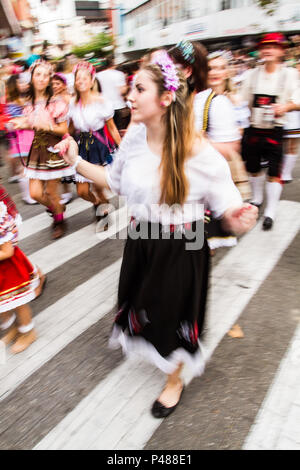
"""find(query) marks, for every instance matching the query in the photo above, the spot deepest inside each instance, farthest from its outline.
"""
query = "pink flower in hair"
(86, 66)
(168, 68)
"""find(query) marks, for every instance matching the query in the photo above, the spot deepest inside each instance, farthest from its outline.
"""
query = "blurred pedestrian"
(114, 89)
(89, 112)
(60, 91)
(47, 116)
(20, 281)
(270, 90)
(167, 172)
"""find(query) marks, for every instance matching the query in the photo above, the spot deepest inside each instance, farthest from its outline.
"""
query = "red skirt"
(18, 281)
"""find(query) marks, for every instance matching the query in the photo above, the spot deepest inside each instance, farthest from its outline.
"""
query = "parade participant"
(20, 281)
(114, 89)
(88, 114)
(270, 90)
(47, 116)
(60, 90)
(60, 87)
(167, 172)
(19, 140)
(220, 82)
(223, 133)
(210, 110)
(291, 141)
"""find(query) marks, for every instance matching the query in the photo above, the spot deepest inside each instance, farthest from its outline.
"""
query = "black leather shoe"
(268, 223)
(160, 411)
(256, 205)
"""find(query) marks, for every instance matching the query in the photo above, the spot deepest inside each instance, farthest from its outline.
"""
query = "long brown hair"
(12, 92)
(198, 62)
(178, 141)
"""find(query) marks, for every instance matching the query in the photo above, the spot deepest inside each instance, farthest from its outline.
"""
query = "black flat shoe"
(268, 223)
(160, 411)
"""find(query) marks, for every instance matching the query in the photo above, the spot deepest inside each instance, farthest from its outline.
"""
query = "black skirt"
(162, 300)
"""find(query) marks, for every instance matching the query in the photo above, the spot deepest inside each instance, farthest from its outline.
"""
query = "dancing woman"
(167, 172)
(20, 281)
(88, 114)
(48, 118)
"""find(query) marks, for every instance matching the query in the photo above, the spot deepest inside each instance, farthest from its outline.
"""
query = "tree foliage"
(268, 5)
(99, 42)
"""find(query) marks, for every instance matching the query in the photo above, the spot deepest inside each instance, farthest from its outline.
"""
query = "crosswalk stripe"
(60, 324)
(235, 280)
(40, 222)
(277, 423)
(66, 248)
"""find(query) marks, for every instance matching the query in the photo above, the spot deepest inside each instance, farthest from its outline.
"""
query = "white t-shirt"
(222, 125)
(111, 81)
(134, 174)
(283, 84)
(90, 117)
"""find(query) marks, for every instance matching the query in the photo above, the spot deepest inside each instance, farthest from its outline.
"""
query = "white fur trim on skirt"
(139, 347)
(81, 179)
(45, 175)
(221, 242)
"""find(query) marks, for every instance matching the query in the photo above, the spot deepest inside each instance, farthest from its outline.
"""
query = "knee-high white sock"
(24, 185)
(257, 186)
(289, 161)
(273, 193)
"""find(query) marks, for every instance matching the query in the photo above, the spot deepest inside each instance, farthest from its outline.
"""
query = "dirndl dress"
(94, 147)
(43, 164)
(18, 277)
(161, 299)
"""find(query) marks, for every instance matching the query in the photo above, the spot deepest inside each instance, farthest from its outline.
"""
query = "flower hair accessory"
(187, 50)
(43, 63)
(168, 68)
(85, 66)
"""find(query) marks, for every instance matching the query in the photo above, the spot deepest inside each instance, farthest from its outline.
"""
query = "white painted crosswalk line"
(40, 222)
(66, 248)
(247, 265)
(277, 425)
(60, 324)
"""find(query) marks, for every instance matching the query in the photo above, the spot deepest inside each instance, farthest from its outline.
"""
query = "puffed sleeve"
(115, 169)
(222, 193)
(59, 111)
(6, 234)
(107, 110)
(222, 121)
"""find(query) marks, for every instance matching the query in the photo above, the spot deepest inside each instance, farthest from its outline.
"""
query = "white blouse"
(222, 125)
(90, 117)
(134, 174)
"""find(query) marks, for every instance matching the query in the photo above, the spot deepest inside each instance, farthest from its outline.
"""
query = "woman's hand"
(68, 149)
(240, 220)
(19, 123)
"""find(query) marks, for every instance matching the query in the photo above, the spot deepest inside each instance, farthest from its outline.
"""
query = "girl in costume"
(88, 114)
(19, 140)
(20, 281)
(47, 116)
(60, 90)
(210, 110)
(168, 173)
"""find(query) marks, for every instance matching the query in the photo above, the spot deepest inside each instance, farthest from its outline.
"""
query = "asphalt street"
(69, 390)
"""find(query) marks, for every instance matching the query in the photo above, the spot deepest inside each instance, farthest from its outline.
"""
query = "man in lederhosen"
(271, 91)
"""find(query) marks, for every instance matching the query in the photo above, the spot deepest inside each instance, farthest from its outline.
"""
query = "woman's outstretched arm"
(69, 151)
